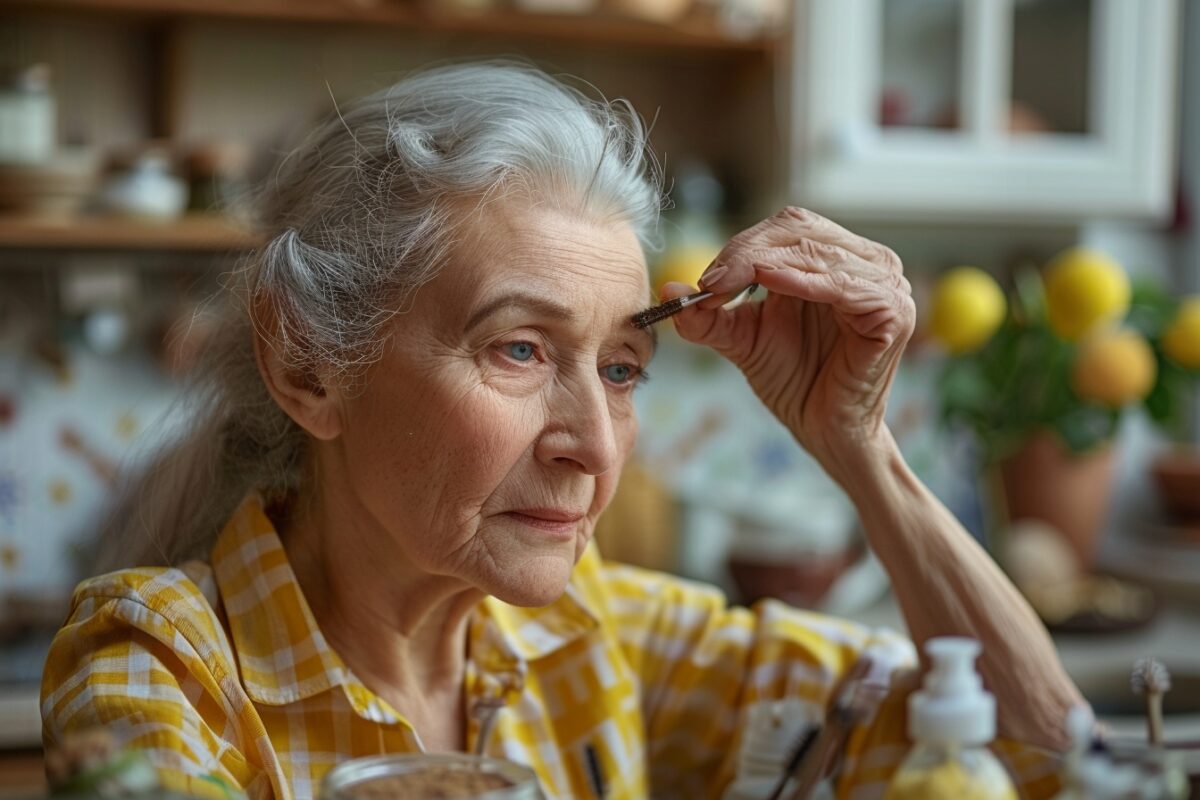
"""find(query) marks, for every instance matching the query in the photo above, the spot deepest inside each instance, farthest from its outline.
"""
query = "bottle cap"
(952, 706)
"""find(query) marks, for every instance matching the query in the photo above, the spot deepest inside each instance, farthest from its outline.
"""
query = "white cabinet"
(1002, 110)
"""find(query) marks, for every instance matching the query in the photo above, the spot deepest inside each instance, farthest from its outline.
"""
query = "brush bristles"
(1149, 676)
(658, 313)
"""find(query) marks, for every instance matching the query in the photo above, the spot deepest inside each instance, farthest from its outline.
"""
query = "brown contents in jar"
(433, 783)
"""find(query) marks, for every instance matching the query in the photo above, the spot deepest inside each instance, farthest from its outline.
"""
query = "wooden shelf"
(192, 233)
(696, 35)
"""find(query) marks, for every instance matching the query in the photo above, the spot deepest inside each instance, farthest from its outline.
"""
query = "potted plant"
(1042, 376)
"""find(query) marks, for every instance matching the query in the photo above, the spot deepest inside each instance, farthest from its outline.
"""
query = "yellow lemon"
(1113, 367)
(1181, 339)
(684, 264)
(968, 306)
(1084, 290)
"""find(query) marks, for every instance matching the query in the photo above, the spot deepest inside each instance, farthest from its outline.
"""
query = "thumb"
(716, 327)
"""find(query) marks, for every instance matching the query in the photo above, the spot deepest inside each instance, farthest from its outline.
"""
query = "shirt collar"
(283, 656)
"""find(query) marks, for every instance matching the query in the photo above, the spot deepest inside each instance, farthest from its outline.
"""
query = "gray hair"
(359, 216)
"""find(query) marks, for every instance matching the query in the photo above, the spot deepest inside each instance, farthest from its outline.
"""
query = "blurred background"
(1035, 163)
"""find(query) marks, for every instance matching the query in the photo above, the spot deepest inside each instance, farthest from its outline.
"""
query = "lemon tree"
(1079, 345)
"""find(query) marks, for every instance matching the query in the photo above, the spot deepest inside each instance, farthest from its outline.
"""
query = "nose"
(580, 432)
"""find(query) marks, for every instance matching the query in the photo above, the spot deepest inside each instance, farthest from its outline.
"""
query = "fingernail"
(712, 275)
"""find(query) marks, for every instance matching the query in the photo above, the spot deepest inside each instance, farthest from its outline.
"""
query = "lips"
(549, 514)
(557, 523)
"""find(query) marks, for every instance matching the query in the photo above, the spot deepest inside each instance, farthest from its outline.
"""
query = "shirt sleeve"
(119, 665)
(707, 668)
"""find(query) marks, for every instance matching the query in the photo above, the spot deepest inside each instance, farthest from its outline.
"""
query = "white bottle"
(27, 118)
(950, 722)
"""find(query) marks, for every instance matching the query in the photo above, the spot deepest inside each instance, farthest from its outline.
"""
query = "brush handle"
(831, 739)
(692, 299)
(1154, 720)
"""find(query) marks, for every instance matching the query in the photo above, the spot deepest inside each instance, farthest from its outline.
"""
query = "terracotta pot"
(1046, 481)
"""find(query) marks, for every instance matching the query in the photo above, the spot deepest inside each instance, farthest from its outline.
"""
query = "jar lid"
(450, 775)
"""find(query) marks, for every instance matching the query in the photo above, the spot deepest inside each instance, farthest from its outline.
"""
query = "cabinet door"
(1007, 110)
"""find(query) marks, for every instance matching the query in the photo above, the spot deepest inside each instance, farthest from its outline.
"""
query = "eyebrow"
(539, 305)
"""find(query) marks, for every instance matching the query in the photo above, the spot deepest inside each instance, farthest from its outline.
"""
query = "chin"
(537, 582)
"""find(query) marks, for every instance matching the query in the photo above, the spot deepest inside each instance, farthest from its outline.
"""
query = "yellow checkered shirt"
(220, 671)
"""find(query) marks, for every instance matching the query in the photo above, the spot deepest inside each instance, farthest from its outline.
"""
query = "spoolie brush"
(658, 313)
(1151, 680)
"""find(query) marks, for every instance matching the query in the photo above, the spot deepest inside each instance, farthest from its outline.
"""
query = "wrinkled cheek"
(482, 441)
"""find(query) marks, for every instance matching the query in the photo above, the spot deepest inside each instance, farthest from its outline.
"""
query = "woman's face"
(493, 431)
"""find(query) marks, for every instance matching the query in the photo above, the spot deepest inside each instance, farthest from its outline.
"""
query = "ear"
(303, 396)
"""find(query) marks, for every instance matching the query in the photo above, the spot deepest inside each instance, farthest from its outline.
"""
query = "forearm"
(947, 585)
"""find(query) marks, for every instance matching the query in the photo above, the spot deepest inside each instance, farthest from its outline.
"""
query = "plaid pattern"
(221, 671)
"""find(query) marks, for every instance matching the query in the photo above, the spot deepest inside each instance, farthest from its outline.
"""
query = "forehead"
(513, 243)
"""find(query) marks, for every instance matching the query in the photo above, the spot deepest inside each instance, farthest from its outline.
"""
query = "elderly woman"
(376, 538)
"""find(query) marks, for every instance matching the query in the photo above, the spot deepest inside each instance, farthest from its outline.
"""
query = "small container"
(445, 775)
(951, 720)
(27, 117)
(1096, 769)
(144, 184)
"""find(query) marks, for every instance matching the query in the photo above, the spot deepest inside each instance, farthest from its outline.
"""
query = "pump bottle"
(950, 722)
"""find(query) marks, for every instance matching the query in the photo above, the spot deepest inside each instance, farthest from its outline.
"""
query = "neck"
(402, 631)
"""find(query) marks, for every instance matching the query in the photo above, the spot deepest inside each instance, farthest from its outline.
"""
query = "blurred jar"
(1127, 771)
(445, 775)
(144, 184)
(27, 116)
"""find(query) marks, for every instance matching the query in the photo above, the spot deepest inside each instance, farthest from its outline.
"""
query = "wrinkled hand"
(822, 349)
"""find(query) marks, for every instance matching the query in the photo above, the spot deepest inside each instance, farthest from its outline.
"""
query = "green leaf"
(1085, 427)
(1169, 402)
(1150, 309)
(1029, 296)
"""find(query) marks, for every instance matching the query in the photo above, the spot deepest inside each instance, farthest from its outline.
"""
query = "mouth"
(559, 521)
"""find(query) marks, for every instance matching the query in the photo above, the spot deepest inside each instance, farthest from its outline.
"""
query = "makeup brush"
(854, 700)
(658, 313)
(1151, 680)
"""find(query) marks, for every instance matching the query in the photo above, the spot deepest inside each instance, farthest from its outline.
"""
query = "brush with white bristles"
(658, 313)
(1151, 680)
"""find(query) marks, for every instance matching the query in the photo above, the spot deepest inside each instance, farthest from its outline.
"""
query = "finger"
(672, 289)
(829, 232)
(719, 328)
(805, 255)
(786, 230)
(871, 310)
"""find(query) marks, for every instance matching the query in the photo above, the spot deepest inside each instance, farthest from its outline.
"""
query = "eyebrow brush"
(658, 313)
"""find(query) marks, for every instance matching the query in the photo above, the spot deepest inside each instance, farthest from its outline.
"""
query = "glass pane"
(922, 63)
(1052, 42)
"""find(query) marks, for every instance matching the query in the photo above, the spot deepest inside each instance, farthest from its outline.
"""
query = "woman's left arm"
(821, 352)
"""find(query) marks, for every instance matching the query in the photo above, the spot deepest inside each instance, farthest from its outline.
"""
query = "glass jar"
(443, 775)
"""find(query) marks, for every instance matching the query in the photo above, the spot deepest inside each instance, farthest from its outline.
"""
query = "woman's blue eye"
(619, 373)
(521, 351)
